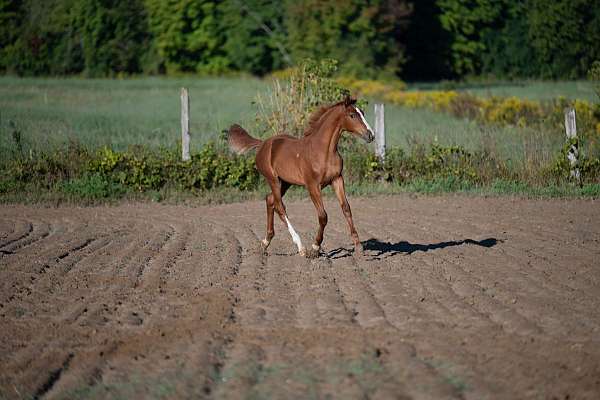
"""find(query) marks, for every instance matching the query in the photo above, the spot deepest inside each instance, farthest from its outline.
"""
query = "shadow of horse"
(388, 249)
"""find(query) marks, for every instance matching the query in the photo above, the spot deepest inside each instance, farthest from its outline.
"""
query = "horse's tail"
(240, 141)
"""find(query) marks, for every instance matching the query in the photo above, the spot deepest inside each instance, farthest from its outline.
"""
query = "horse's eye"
(352, 116)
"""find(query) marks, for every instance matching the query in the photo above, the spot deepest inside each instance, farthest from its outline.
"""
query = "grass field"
(407, 125)
(119, 113)
(533, 90)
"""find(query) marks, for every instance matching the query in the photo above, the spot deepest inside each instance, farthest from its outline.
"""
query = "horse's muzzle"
(368, 136)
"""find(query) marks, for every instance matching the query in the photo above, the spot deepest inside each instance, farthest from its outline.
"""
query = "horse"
(312, 161)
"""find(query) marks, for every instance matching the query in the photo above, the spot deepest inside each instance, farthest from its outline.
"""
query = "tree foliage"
(424, 39)
(255, 37)
(113, 35)
(527, 38)
(467, 21)
(364, 35)
(187, 35)
(565, 35)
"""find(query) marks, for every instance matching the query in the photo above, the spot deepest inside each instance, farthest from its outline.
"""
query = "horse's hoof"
(312, 253)
(359, 252)
(302, 252)
(263, 248)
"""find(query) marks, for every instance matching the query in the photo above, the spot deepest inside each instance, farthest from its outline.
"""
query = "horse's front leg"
(340, 192)
(315, 195)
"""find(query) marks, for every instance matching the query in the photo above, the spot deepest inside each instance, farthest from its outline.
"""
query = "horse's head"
(355, 121)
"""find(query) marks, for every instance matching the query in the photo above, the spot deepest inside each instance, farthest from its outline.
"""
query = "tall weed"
(287, 106)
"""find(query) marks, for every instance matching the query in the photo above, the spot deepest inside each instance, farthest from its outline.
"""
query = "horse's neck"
(328, 134)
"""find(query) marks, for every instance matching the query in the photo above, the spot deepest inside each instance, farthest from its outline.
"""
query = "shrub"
(511, 111)
(560, 170)
(92, 187)
(107, 174)
(288, 106)
(370, 87)
(143, 169)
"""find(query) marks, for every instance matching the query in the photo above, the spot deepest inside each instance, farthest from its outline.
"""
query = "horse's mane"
(315, 117)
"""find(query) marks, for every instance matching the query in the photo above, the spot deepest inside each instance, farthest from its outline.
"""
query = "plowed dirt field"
(455, 297)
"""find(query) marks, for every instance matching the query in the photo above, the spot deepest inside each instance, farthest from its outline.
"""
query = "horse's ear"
(349, 101)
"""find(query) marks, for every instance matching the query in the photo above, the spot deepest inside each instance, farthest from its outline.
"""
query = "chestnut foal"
(312, 161)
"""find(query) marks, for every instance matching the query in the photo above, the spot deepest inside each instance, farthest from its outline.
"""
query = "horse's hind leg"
(278, 189)
(270, 200)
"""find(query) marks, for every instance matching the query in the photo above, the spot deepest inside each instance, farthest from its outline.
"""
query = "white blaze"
(364, 120)
(294, 235)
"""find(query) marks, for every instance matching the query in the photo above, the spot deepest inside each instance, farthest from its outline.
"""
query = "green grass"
(86, 192)
(49, 111)
(540, 90)
(531, 145)
(405, 126)
(527, 89)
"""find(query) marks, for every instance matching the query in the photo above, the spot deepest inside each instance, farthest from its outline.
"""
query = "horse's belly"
(289, 172)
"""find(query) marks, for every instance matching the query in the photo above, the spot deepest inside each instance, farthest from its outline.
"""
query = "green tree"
(113, 35)
(565, 35)
(511, 38)
(188, 35)
(59, 37)
(255, 39)
(363, 34)
(467, 21)
(508, 53)
(46, 42)
(11, 13)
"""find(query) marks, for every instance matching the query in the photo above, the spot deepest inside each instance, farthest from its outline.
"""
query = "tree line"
(414, 40)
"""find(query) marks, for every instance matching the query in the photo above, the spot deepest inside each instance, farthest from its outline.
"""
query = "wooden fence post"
(185, 125)
(573, 153)
(380, 131)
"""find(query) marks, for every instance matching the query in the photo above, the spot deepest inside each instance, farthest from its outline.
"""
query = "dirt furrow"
(39, 231)
(19, 230)
(504, 283)
(452, 271)
(546, 253)
(456, 297)
(177, 240)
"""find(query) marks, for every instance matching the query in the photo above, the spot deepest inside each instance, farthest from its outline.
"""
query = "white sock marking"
(364, 120)
(295, 236)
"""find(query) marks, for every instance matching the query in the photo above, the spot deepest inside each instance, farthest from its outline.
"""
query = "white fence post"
(573, 154)
(185, 125)
(380, 131)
